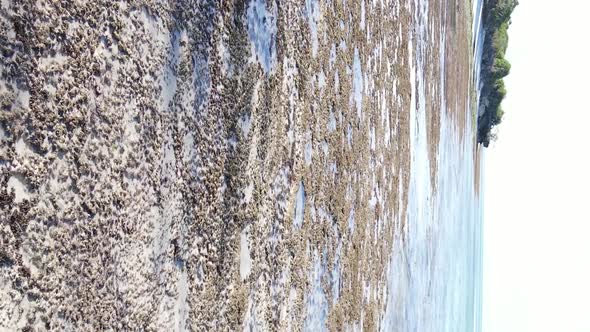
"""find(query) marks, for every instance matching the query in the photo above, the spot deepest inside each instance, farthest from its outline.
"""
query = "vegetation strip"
(494, 67)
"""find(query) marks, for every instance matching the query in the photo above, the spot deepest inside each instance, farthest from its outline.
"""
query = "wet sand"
(214, 165)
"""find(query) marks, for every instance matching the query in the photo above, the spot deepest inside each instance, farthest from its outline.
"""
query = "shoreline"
(236, 165)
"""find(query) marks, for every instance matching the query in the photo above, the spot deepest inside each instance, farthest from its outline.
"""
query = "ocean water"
(435, 276)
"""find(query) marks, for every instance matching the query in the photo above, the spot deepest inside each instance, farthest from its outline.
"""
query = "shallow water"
(435, 277)
(478, 40)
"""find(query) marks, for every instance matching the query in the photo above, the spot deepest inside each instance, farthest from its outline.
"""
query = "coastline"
(233, 165)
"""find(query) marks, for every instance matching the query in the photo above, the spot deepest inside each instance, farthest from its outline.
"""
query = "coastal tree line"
(494, 66)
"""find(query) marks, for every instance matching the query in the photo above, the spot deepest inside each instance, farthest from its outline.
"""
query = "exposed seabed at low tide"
(259, 166)
(435, 276)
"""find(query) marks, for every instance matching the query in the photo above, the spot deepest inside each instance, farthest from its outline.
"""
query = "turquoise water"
(435, 277)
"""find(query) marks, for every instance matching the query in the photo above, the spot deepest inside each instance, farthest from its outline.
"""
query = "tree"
(501, 68)
(502, 10)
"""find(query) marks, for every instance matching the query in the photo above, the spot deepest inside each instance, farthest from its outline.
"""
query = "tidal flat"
(239, 165)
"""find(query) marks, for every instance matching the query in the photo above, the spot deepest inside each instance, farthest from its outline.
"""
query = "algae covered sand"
(217, 165)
